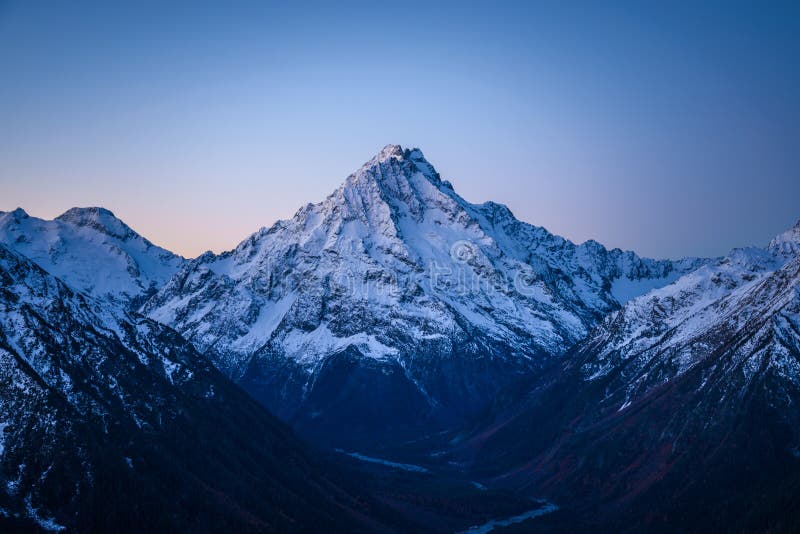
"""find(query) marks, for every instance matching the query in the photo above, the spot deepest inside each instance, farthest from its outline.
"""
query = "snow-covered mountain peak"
(99, 219)
(93, 213)
(408, 162)
(390, 151)
(788, 242)
(90, 214)
(394, 185)
(16, 214)
(371, 168)
(92, 251)
(398, 273)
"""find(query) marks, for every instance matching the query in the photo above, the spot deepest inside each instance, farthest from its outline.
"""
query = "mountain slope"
(678, 411)
(113, 422)
(92, 251)
(664, 333)
(395, 295)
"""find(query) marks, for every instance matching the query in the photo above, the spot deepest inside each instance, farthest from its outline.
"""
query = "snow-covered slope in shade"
(93, 251)
(395, 267)
(686, 399)
(786, 243)
(94, 399)
(662, 334)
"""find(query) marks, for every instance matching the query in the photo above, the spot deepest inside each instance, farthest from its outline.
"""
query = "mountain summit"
(788, 242)
(93, 251)
(395, 295)
(100, 219)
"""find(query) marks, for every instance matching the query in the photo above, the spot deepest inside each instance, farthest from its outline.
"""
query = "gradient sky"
(663, 127)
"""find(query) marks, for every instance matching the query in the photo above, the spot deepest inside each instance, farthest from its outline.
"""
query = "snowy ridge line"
(93, 252)
(396, 241)
(750, 300)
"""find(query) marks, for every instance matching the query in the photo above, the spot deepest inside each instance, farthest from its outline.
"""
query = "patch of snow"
(47, 523)
(308, 347)
(268, 320)
(3, 427)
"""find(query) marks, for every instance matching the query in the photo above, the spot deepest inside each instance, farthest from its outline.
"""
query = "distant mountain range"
(393, 316)
(681, 411)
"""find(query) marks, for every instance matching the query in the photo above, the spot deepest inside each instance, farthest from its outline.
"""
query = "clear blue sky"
(669, 128)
